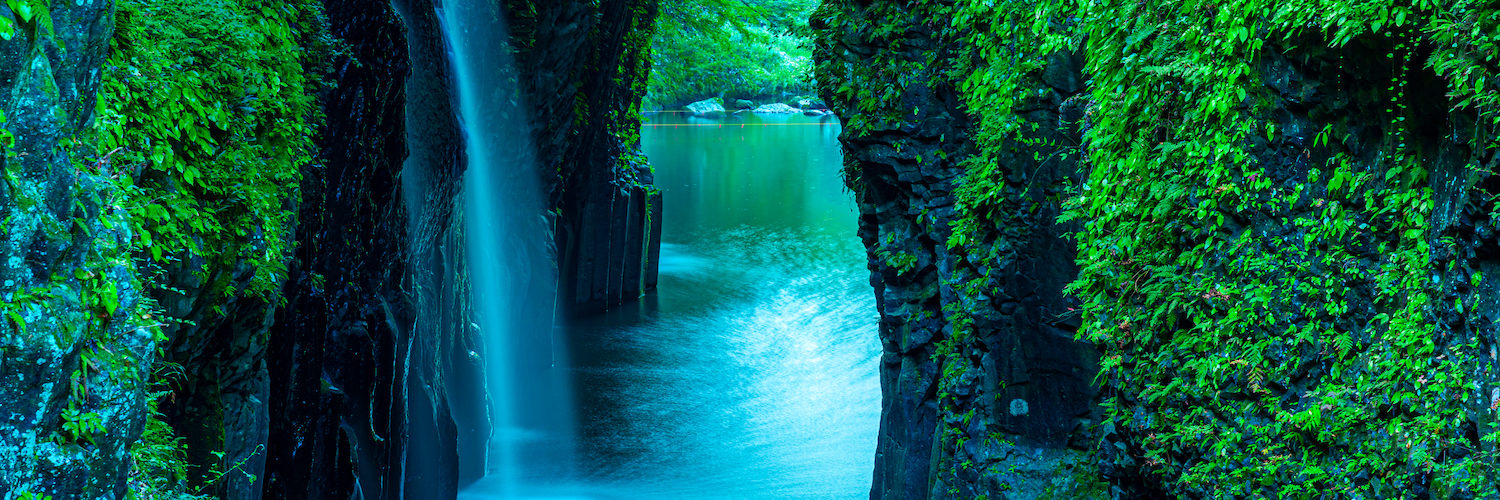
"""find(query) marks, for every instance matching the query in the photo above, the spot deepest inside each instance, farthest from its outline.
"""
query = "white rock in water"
(707, 108)
(777, 108)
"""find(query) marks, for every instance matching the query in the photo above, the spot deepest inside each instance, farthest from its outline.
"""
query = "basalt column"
(584, 70)
(336, 351)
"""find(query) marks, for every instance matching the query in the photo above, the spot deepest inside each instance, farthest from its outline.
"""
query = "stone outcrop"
(777, 108)
(985, 390)
(75, 351)
(584, 70)
(707, 108)
(339, 350)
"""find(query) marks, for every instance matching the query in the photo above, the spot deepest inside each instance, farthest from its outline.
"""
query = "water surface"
(752, 372)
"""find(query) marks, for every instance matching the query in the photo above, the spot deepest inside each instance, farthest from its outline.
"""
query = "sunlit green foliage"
(206, 115)
(738, 48)
(1263, 335)
(205, 119)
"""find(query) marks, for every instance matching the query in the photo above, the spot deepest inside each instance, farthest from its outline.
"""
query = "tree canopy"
(731, 48)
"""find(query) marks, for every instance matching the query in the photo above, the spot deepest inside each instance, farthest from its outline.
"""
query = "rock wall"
(985, 390)
(447, 407)
(75, 350)
(1339, 336)
(1281, 226)
(584, 71)
(324, 382)
(408, 414)
(338, 351)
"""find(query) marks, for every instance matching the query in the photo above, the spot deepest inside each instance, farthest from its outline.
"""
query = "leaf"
(22, 9)
(17, 320)
(109, 297)
(1336, 182)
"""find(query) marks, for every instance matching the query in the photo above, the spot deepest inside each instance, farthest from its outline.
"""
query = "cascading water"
(752, 372)
(513, 281)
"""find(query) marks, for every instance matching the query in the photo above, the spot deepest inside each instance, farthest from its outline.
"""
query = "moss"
(1275, 277)
(206, 118)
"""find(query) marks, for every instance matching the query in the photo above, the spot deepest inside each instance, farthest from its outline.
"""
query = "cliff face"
(75, 349)
(276, 238)
(584, 69)
(985, 389)
(1283, 244)
(1338, 335)
(338, 348)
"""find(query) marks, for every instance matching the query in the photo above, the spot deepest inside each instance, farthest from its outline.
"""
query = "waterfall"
(510, 270)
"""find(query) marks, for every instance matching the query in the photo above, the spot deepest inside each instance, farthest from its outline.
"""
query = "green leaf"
(109, 297)
(18, 321)
(22, 8)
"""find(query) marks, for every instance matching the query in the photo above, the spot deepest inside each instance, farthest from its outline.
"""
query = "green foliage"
(740, 48)
(1262, 334)
(1202, 319)
(159, 465)
(206, 117)
(25, 15)
(159, 468)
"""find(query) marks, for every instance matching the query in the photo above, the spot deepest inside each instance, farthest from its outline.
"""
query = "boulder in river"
(812, 103)
(777, 108)
(744, 104)
(707, 108)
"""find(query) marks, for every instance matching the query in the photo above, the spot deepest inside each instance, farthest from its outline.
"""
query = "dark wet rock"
(596, 179)
(744, 104)
(1020, 379)
(340, 344)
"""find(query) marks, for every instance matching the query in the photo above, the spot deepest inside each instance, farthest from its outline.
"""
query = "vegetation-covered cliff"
(1282, 215)
(221, 218)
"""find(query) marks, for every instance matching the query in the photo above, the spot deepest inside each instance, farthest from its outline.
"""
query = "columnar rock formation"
(985, 389)
(341, 346)
(587, 64)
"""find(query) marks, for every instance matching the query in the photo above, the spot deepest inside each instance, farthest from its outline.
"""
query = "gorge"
(469, 249)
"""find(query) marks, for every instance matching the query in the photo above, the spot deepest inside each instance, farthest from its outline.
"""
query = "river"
(753, 371)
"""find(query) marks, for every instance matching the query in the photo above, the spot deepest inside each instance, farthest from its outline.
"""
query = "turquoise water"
(753, 371)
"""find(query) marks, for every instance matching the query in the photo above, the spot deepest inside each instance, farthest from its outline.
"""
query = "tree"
(737, 48)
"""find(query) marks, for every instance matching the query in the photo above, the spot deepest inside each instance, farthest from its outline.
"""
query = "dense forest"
(733, 49)
(1144, 249)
